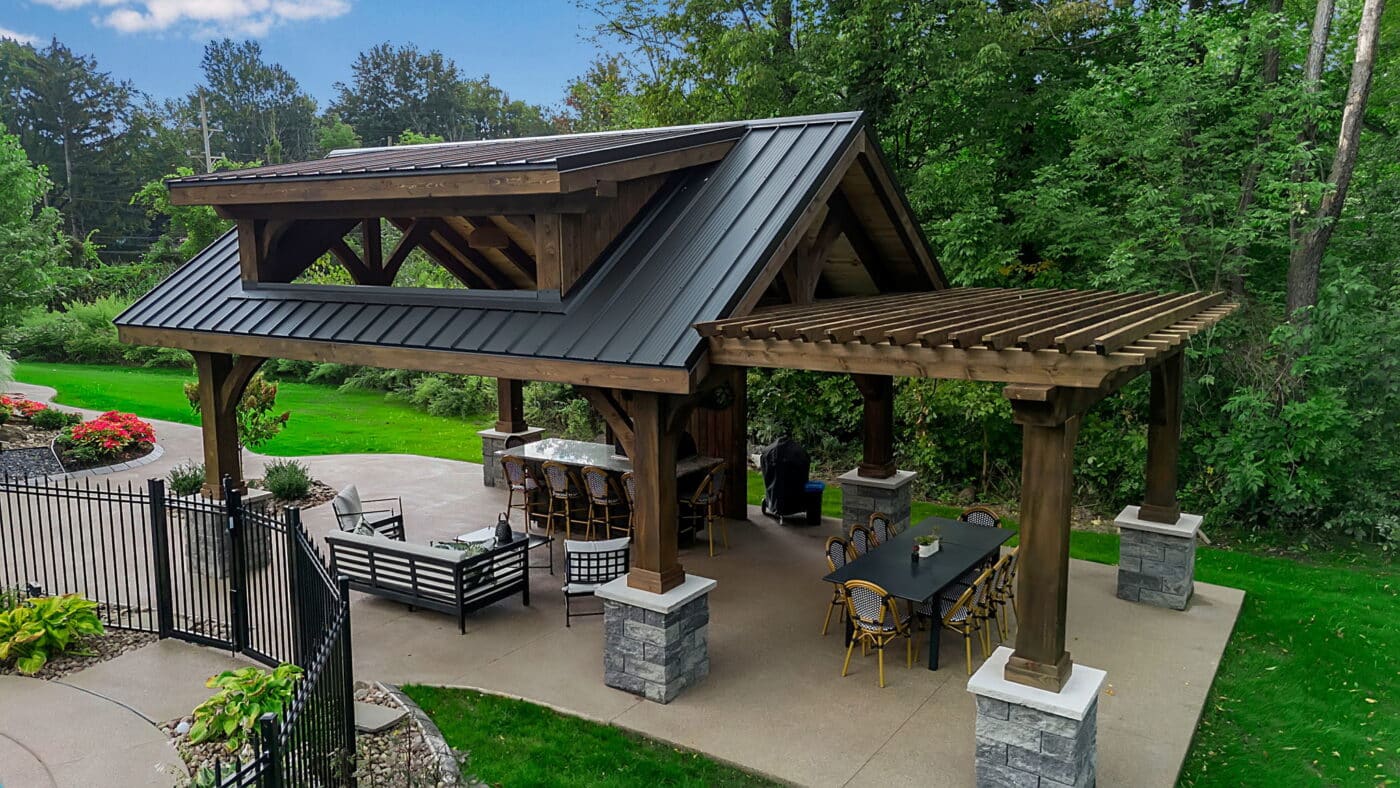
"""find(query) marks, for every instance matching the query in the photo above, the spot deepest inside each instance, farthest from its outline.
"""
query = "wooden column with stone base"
(222, 380)
(510, 423)
(876, 485)
(1157, 549)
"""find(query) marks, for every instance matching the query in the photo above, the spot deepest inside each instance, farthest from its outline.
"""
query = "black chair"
(588, 565)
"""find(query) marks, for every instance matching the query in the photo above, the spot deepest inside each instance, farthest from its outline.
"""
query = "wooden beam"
(1085, 369)
(1047, 466)
(1164, 440)
(410, 240)
(445, 258)
(549, 251)
(911, 234)
(510, 405)
(608, 404)
(877, 391)
(517, 257)
(372, 239)
(865, 249)
(458, 245)
(519, 206)
(494, 183)
(351, 262)
(656, 565)
(1110, 328)
(487, 236)
(579, 373)
(222, 379)
(251, 252)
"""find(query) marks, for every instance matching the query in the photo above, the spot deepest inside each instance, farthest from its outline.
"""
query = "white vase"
(926, 550)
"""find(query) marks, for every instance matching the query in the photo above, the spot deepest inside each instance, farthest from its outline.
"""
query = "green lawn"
(1308, 692)
(324, 419)
(515, 743)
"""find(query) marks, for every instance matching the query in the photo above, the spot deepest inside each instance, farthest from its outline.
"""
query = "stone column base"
(862, 495)
(207, 544)
(655, 645)
(1157, 561)
(493, 441)
(1033, 737)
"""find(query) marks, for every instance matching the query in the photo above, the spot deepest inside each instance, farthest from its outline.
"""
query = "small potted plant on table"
(928, 544)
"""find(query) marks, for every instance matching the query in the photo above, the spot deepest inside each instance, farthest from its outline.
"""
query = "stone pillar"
(861, 495)
(1028, 736)
(656, 645)
(493, 441)
(1157, 561)
(208, 547)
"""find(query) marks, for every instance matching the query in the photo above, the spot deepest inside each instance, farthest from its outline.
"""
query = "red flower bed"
(110, 436)
(21, 406)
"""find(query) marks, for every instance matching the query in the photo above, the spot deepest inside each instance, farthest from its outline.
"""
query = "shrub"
(23, 407)
(186, 478)
(244, 696)
(5, 413)
(257, 424)
(84, 333)
(40, 628)
(107, 436)
(289, 480)
(54, 419)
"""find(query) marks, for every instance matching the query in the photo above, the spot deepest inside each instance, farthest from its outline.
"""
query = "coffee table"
(487, 536)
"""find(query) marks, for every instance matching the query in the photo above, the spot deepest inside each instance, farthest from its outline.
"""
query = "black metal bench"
(431, 577)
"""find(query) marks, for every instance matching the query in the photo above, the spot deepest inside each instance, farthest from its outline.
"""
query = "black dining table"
(961, 547)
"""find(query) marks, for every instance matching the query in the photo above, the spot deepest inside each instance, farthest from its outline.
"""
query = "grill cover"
(785, 466)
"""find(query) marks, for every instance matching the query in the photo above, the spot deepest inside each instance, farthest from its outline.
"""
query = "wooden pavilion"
(648, 268)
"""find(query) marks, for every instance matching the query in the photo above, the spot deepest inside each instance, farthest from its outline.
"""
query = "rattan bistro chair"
(521, 481)
(960, 612)
(605, 507)
(875, 621)
(980, 516)
(835, 559)
(566, 498)
(588, 565)
(881, 528)
(703, 505)
(860, 541)
(1001, 576)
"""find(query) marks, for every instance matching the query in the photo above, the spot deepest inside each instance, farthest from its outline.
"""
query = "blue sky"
(531, 48)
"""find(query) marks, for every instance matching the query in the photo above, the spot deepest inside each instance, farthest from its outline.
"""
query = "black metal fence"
(217, 573)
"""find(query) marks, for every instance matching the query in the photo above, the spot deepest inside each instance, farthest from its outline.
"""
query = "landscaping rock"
(28, 463)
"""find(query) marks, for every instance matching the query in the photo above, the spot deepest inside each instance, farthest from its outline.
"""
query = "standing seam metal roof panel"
(688, 257)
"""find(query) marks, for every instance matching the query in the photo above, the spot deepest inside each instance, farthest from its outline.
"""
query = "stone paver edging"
(156, 452)
(449, 774)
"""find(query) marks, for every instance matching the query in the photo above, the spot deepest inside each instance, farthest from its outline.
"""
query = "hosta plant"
(243, 696)
(40, 628)
(107, 436)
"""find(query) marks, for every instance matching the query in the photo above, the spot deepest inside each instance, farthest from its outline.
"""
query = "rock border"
(157, 451)
(449, 772)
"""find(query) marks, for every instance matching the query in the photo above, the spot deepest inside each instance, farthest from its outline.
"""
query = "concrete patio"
(774, 701)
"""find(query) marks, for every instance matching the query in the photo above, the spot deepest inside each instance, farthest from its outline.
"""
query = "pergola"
(648, 268)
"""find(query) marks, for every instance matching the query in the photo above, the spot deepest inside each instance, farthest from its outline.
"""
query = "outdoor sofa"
(431, 577)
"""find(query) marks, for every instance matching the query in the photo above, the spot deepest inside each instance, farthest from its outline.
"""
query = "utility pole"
(204, 132)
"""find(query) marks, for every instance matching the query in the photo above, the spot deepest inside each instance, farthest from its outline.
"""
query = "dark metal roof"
(560, 152)
(688, 258)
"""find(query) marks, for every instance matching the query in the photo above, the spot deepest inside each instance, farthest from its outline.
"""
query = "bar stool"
(565, 498)
(604, 503)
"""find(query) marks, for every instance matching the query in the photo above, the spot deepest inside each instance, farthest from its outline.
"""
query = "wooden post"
(1159, 503)
(222, 379)
(510, 406)
(1047, 474)
(878, 393)
(656, 566)
(373, 240)
(724, 434)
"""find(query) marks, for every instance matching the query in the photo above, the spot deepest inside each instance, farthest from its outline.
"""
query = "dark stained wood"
(424, 185)
(372, 239)
(510, 405)
(877, 462)
(411, 238)
(584, 238)
(250, 249)
(608, 404)
(222, 379)
(456, 245)
(1047, 472)
(861, 244)
(510, 250)
(520, 206)
(656, 565)
(350, 261)
(573, 372)
(1164, 440)
(724, 434)
(548, 251)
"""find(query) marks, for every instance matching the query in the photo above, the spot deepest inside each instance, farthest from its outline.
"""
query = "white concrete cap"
(1072, 701)
(1186, 526)
(899, 479)
(691, 588)
(494, 433)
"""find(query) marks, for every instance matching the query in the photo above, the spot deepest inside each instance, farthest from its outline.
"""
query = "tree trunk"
(1250, 181)
(1306, 259)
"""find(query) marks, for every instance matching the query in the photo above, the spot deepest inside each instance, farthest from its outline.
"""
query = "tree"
(32, 243)
(259, 108)
(332, 133)
(601, 99)
(188, 228)
(78, 123)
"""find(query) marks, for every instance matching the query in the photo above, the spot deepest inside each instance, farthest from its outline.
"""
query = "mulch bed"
(320, 493)
(71, 463)
(397, 758)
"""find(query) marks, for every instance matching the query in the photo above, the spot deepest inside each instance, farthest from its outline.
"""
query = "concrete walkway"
(774, 701)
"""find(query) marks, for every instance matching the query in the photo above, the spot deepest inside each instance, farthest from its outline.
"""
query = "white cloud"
(241, 17)
(5, 32)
